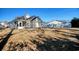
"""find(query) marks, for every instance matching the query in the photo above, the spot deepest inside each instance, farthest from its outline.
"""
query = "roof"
(33, 18)
(23, 18)
(57, 21)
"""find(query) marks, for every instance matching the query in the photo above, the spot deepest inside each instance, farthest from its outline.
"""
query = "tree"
(75, 22)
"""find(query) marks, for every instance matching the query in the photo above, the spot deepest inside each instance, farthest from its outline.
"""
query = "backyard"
(41, 39)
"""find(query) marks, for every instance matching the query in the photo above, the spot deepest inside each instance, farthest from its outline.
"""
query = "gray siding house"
(26, 22)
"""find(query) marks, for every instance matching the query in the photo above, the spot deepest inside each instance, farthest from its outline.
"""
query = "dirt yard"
(3, 33)
(57, 39)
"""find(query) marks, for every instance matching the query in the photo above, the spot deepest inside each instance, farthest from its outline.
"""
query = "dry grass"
(3, 33)
(41, 39)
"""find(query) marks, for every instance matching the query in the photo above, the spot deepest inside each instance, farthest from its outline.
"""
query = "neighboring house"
(4, 24)
(1, 26)
(26, 22)
(59, 24)
(67, 25)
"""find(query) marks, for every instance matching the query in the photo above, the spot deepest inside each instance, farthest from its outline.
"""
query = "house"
(59, 24)
(26, 22)
(4, 24)
(67, 25)
(1, 26)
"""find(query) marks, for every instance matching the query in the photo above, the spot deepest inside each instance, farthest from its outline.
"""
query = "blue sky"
(46, 14)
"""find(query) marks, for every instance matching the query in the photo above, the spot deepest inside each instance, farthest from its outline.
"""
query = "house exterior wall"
(37, 23)
(26, 23)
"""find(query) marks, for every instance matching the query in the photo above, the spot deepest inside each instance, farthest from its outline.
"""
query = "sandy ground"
(31, 38)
